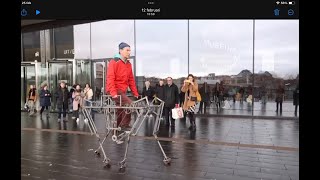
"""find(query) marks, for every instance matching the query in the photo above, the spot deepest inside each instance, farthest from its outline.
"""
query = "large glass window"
(64, 42)
(82, 42)
(107, 35)
(162, 50)
(276, 64)
(221, 51)
(31, 46)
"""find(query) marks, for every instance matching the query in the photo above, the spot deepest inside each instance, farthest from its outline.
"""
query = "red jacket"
(120, 77)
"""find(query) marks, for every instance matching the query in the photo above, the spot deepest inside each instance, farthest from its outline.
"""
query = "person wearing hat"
(119, 78)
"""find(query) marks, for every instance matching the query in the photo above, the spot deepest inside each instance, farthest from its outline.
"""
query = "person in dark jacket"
(148, 91)
(181, 98)
(205, 97)
(296, 99)
(171, 99)
(241, 92)
(279, 97)
(45, 99)
(159, 91)
(62, 95)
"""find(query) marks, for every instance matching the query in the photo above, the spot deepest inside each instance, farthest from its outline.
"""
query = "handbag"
(177, 113)
(193, 98)
(198, 96)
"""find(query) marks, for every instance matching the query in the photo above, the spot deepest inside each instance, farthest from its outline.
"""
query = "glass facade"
(250, 59)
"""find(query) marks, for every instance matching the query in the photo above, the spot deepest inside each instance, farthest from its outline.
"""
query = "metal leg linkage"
(118, 135)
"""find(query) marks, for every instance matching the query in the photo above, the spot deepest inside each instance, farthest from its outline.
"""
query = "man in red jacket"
(119, 78)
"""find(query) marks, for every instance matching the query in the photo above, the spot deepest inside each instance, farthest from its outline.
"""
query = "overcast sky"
(224, 47)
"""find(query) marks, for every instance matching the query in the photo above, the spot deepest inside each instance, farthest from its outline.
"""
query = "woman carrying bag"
(190, 88)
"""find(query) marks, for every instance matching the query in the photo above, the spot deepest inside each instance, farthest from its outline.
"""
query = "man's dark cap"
(123, 45)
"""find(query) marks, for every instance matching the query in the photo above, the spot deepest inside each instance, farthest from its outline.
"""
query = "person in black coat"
(279, 97)
(45, 99)
(159, 91)
(171, 99)
(296, 99)
(62, 95)
(205, 97)
(148, 91)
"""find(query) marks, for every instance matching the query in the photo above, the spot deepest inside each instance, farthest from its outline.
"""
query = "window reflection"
(162, 51)
(221, 55)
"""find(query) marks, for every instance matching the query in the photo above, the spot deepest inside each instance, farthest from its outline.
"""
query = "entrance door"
(28, 77)
(59, 70)
(83, 72)
(98, 77)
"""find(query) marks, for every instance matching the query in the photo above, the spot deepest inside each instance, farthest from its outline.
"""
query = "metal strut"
(109, 107)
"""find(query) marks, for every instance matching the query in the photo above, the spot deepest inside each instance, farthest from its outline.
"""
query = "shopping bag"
(177, 113)
(249, 99)
(226, 105)
(26, 107)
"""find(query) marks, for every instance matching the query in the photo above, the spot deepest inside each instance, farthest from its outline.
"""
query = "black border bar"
(156, 9)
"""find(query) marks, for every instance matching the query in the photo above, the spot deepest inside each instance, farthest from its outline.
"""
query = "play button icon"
(37, 12)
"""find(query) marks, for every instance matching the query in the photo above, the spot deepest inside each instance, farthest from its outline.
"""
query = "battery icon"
(291, 2)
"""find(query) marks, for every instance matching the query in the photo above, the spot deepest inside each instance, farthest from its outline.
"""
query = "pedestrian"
(32, 98)
(77, 102)
(119, 78)
(296, 99)
(279, 97)
(62, 95)
(88, 94)
(148, 91)
(45, 100)
(159, 90)
(190, 88)
(171, 100)
(205, 98)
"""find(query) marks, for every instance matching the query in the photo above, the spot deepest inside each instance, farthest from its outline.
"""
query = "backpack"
(198, 96)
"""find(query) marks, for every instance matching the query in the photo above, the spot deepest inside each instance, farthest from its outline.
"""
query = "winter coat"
(149, 93)
(171, 95)
(279, 94)
(32, 94)
(45, 98)
(120, 77)
(205, 94)
(77, 100)
(190, 91)
(62, 97)
(88, 93)
(159, 91)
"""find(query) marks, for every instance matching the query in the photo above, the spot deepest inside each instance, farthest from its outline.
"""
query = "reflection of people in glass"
(32, 98)
(241, 92)
(171, 99)
(279, 97)
(263, 94)
(190, 88)
(119, 78)
(45, 99)
(205, 97)
(218, 95)
(296, 99)
(250, 96)
(77, 102)
(62, 96)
